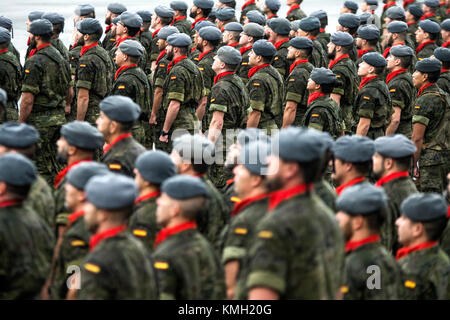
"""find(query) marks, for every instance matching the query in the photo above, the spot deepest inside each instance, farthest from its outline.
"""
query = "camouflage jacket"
(183, 25)
(445, 238)
(10, 80)
(160, 74)
(326, 193)
(154, 51)
(247, 8)
(74, 58)
(324, 39)
(280, 61)
(324, 114)
(204, 64)
(108, 41)
(318, 57)
(426, 51)
(59, 45)
(14, 51)
(244, 67)
(40, 200)
(444, 81)
(121, 156)
(145, 38)
(296, 14)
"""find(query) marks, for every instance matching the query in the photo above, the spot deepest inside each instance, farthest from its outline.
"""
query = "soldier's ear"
(2, 188)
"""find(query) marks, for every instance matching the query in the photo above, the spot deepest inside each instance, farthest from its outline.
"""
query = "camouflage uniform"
(59, 45)
(444, 81)
(280, 62)
(246, 8)
(244, 67)
(145, 38)
(10, 81)
(74, 61)
(159, 77)
(296, 14)
(325, 191)
(14, 51)
(426, 52)
(154, 51)
(412, 33)
(205, 66)
(40, 200)
(324, 39)
(183, 25)
(108, 41)
(142, 63)
(445, 238)
(318, 57)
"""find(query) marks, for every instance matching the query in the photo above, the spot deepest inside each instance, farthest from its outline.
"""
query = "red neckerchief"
(86, 48)
(362, 52)
(448, 212)
(403, 252)
(97, 238)
(123, 68)
(222, 30)
(61, 175)
(247, 4)
(201, 55)
(168, 232)
(407, 2)
(271, 16)
(9, 203)
(321, 30)
(448, 11)
(312, 38)
(424, 87)
(444, 70)
(446, 44)
(426, 16)
(256, 69)
(197, 21)
(393, 74)
(420, 47)
(279, 196)
(365, 81)
(4, 50)
(174, 62)
(138, 33)
(391, 177)
(239, 206)
(119, 41)
(28, 41)
(233, 44)
(387, 50)
(387, 6)
(296, 63)
(353, 245)
(33, 51)
(147, 196)
(155, 32)
(121, 137)
(314, 96)
(177, 19)
(244, 49)
(230, 181)
(292, 8)
(344, 186)
(108, 28)
(161, 55)
(410, 23)
(279, 43)
(221, 75)
(333, 62)
(74, 216)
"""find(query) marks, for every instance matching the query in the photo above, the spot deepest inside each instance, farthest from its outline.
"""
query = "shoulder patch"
(315, 115)
(140, 233)
(244, 63)
(392, 90)
(82, 65)
(344, 289)
(366, 98)
(92, 267)
(121, 87)
(161, 265)
(162, 65)
(276, 58)
(416, 107)
(78, 243)
(235, 199)
(213, 99)
(410, 284)
(201, 68)
(173, 77)
(291, 79)
(196, 59)
(256, 84)
(27, 71)
(242, 231)
(115, 166)
(338, 76)
(265, 234)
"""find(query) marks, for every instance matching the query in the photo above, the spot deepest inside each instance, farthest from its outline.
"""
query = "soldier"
(252, 32)
(425, 266)
(279, 29)
(182, 91)
(116, 259)
(349, 7)
(8, 25)
(352, 161)
(232, 34)
(265, 87)
(26, 240)
(255, 16)
(387, 4)
(360, 216)
(32, 16)
(3, 100)
(395, 35)
(309, 27)
(226, 3)
(345, 91)
(296, 87)
(44, 90)
(373, 105)
(397, 14)
(408, 3)
(152, 169)
(323, 113)
(117, 116)
(186, 265)
(401, 89)
(194, 52)
(445, 33)
(271, 8)
(295, 12)
(430, 115)
(323, 37)
(430, 11)
(391, 165)
(277, 265)
(94, 75)
(10, 77)
(144, 36)
(367, 40)
(349, 22)
(412, 18)
(57, 21)
(443, 55)
(131, 81)
(113, 10)
(163, 17)
(224, 16)
(200, 11)
(426, 36)
(369, 6)
(179, 18)
(249, 5)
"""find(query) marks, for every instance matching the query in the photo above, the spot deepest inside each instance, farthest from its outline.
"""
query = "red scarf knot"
(424, 87)
(221, 75)
(197, 21)
(244, 49)
(279, 43)
(161, 55)
(296, 63)
(362, 52)
(75, 216)
(423, 45)
(119, 41)
(202, 55)
(256, 69)
(33, 51)
(123, 68)
(292, 8)
(239, 206)
(84, 49)
(174, 62)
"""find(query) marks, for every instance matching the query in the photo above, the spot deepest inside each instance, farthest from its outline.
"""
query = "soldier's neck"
(352, 175)
(396, 68)
(207, 48)
(79, 207)
(293, 182)
(109, 224)
(339, 54)
(361, 234)
(280, 38)
(176, 221)
(423, 41)
(147, 190)
(416, 242)
(254, 192)
(397, 41)
(79, 156)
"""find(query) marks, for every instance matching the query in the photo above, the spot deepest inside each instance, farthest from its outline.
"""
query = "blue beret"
(35, 15)
(132, 48)
(320, 14)
(179, 5)
(120, 108)
(395, 13)
(397, 27)
(424, 207)
(225, 1)
(256, 17)
(166, 31)
(442, 54)
(79, 175)
(5, 35)
(401, 51)
(428, 65)
(374, 59)
(229, 55)
(395, 146)
(202, 24)
(253, 30)
(429, 26)
(233, 26)
(53, 17)
(212, 14)
(88, 26)
(18, 135)
(323, 76)
(210, 33)
(309, 23)
(349, 20)
(155, 166)
(204, 4)
(446, 25)
(3, 96)
(40, 27)
(280, 25)
(341, 38)
(301, 43)
(17, 170)
(361, 199)
(254, 157)
(164, 12)
(225, 14)
(145, 15)
(195, 148)
(325, 137)
(6, 23)
(273, 5)
(84, 10)
(295, 25)
(415, 10)
(368, 32)
(432, 3)
(82, 135)
(116, 8)
(115, 20)
(264, 48)
(366, 18)
(251, 134)
(372, 2)
(111, 191)
(182, 187)
(179, 40)
(351, 5)
(131, 19)
(354, 149)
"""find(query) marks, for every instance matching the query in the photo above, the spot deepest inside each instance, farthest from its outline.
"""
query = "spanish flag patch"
(161, 265)
(140, 233)
(78, 243)
(344, 289)
(27, 71)
(92, 268)
(82, 65)
(244, 63)
(276, 58)
(315, 115)
(242, 231)
(416, 107)
(162, 65)
(115, 166)
(235, 199)
(201, 69)
(121, 87)
(212, 100)
(256, 84)
(410, 284)
(265, 234)
(291, 79)
(392, 90)
(173, 78)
